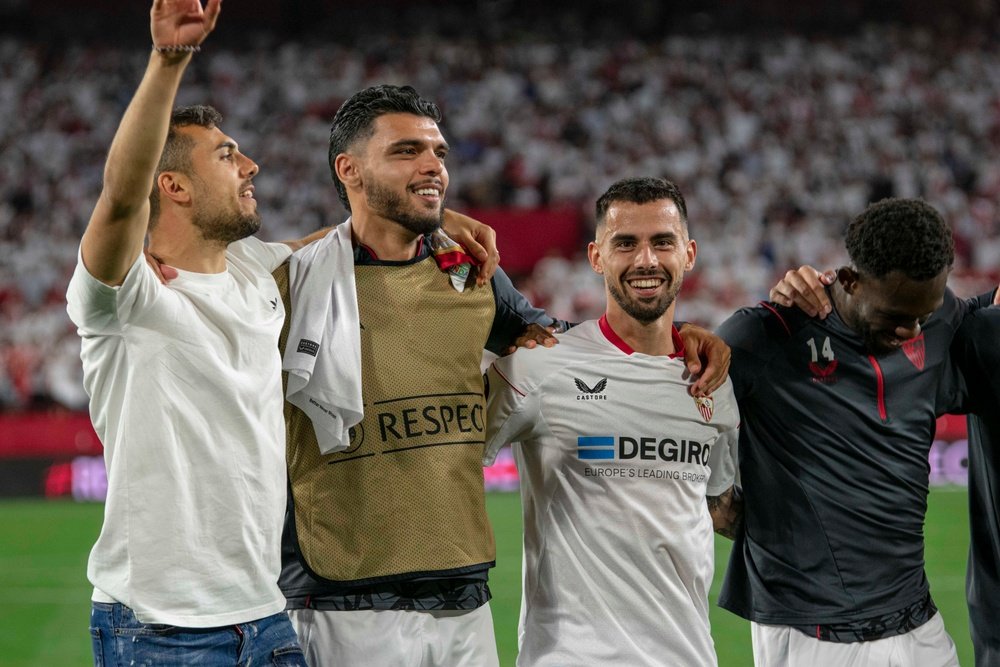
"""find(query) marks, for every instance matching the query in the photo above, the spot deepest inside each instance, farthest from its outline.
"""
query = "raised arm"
(117, 227)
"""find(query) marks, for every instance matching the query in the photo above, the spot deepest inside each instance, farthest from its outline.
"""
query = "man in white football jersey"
(617, 458)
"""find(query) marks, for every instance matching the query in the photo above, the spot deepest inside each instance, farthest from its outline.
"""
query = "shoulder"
(952, 310)
(84, 289)
(765, 321)
(258, 256)
(979, 334)
(529, 368)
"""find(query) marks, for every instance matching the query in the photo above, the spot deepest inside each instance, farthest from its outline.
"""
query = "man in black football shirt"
(838, 416)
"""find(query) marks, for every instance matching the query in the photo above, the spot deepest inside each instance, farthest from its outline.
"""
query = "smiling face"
(399, 173)
(891, 310)
(643, 251)
(224, 209)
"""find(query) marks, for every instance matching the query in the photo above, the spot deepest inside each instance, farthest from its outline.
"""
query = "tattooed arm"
(727, 512)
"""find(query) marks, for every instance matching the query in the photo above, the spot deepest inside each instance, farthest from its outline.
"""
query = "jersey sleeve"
(724, 458)
(984, 300)
(512, 404)
(513, 314)
(723, 462)
(975, 355)
(746, 333)
(100, 309)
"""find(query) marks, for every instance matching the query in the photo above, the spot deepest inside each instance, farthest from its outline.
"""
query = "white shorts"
(782, 646)
(396, 638)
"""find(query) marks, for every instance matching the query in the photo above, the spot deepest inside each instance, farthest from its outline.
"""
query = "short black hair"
(641, 190)
(355, 119)
(906, 235)
(176, 155)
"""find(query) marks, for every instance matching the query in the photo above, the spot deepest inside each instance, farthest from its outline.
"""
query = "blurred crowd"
(776, 142)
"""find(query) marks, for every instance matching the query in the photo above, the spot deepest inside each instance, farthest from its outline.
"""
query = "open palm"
(182, 22)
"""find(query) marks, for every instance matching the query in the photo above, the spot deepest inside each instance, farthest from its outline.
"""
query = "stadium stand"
(779, 137)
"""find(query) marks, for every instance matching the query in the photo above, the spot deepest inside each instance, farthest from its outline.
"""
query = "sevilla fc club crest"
(706, 406)
(914, 351)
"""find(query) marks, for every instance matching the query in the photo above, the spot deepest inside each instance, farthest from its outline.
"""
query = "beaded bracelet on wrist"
(177, 48)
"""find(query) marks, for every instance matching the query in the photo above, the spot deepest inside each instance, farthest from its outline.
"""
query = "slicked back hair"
(640, 190)
(176, 154)
(355, 120)
(906, 235)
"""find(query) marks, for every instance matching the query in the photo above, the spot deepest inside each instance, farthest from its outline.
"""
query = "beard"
(391, 206)
(226, 228)
(645, 312)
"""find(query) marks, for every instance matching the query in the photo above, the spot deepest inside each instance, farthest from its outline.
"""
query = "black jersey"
(467, 589)
(977, 354)
(834, 448)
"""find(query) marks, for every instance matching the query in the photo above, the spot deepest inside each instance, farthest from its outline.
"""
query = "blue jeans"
(119, 640)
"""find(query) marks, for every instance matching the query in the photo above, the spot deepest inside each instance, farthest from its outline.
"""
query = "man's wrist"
(176, 48)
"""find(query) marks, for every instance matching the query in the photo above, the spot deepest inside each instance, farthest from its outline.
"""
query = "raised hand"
(805, 287)
(182, 22)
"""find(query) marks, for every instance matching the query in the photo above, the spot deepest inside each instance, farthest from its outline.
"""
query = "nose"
(431, 164)
(248, 166)
(646, 257)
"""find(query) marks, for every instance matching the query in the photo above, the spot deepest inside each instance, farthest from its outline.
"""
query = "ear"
(174, 186)
(692, 252)
(594, 255)
(849, 279)
(348, 170)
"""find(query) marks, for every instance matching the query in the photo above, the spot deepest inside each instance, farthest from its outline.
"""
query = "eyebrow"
(663, 236)
(417, 143)
(227, 144)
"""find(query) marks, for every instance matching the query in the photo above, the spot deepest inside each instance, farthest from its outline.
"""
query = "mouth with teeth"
(429, 193)
(645, 286)
(247, 192)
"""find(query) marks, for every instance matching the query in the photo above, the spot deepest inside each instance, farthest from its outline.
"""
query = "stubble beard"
(226, 228)
(390, 205)
(644, 313)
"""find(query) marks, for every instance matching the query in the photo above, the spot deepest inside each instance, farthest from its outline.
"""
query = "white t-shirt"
(185, 393)
(615, 459)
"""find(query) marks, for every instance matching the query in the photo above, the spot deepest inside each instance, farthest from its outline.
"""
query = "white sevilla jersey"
(615, 459)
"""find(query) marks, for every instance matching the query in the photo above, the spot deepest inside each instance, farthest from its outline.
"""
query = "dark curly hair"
(176, 155)
(640, 191)
(355, 120)
(906, 235)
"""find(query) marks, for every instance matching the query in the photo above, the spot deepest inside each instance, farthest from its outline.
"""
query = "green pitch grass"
(44, 594)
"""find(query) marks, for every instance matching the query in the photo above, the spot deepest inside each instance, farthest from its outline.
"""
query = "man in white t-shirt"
(617, 457)
(184, 383)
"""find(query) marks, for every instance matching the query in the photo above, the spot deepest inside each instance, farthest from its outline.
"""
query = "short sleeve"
(723, 462)
(512, 406)
(96, 308)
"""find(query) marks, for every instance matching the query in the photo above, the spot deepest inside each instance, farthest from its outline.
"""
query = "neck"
(841, 301)
(387, 239)
(181, 251)
(654, 338)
